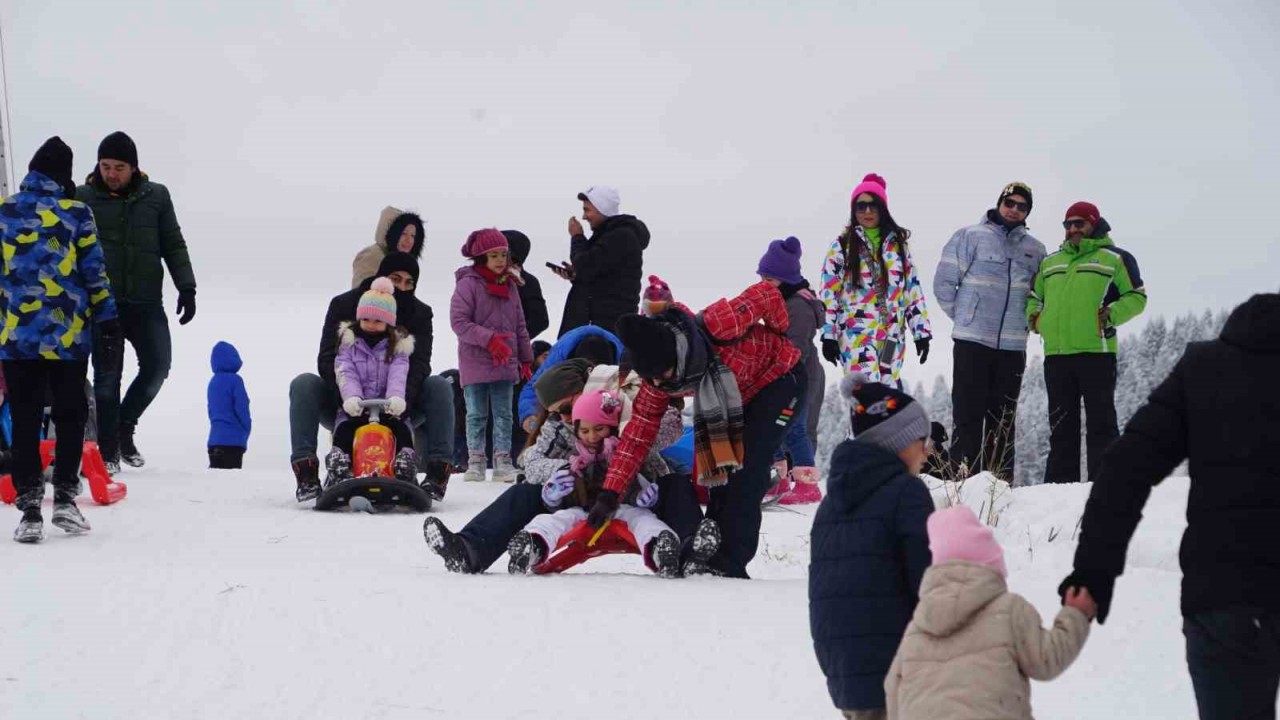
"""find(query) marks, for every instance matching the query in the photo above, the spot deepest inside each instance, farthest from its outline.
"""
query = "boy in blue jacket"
(870, 545)
(229, 421)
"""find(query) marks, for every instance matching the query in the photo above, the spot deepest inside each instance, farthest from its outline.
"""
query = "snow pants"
(28, 381)
(643, 524)
(1234, 658)
(985, 386)
(1067, 379)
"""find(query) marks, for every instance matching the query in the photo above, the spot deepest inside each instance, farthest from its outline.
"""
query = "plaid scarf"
(717, 403)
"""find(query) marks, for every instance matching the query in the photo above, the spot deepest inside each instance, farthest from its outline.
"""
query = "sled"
(102, 488)
(583, 542)
(373, 486)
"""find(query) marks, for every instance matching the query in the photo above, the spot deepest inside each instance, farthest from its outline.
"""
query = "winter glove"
(395, 406)
(922, 350)
(1099, 587)
(351, 406)
(606, 505)
(498, 348)
(831, 351)
(110, 345)
(526, 371)
(186, 305)
(789, 289)
(648, 497)
(559, 487)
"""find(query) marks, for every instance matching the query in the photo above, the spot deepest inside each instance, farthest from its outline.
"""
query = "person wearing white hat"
(605, 269)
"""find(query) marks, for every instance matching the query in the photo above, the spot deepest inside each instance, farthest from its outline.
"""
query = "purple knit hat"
(782, 261)
(482, 241)
(873, 184)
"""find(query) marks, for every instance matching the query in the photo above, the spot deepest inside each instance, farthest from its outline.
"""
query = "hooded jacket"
(562, 350)
(972, 645)
(608, 269)
(476, 316)
(229, 419)
(54, 284)
(1220, 410)
(531, 300)
(391, 223)
(364, 371)
(869, 548)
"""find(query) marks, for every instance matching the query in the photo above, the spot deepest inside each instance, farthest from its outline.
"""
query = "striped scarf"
(717, 403)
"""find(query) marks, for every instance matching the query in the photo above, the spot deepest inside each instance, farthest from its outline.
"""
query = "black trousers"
(226, 457)
(735, 506)
(1068, 379)
(984, 399)
(344, 436)
(29, 381)
(1234, 658)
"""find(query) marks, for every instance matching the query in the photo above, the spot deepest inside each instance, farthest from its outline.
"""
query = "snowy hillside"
(213, 595)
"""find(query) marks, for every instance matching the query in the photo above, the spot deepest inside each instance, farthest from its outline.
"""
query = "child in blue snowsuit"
(229, 421)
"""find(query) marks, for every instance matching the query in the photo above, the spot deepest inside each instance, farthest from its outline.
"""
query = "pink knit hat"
(482, 241)
(956, 534)
(598, 407)
(657, 297)
(873, 184)
(378, 302)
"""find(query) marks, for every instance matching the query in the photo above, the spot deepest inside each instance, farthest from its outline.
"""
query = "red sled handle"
(583, 542)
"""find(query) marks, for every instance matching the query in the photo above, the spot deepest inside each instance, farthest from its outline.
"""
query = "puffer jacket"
(607, 269)
(364, 371)
(983, 279)
(391, 223)
(971, 646)
(476, 316)
(54, 282)
(562, 350)
(229, 419)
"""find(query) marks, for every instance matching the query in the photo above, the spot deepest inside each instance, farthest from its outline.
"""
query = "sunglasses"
(866, 206)
(1074, 224)
(1021, 207)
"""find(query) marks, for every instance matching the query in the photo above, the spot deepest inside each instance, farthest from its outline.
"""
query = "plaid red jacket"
(753, 326)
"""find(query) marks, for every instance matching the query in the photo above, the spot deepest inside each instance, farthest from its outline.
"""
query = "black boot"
(451, 548)
(307, 472)
(526, 551)
(437, 481)
(128, 450)
(663, 554)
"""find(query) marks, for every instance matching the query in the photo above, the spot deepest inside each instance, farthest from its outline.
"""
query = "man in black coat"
(314, 398)
(1220, 410)
(606, 268)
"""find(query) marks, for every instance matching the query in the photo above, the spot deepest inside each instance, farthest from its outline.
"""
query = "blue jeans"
(147, 329)
(482, 400)
(797, 442)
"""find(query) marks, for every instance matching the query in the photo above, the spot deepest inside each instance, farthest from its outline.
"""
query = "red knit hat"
(657, 297)
(1085, 210)
(482, 241)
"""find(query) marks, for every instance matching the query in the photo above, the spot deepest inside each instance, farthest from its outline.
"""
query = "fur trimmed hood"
(403, 340)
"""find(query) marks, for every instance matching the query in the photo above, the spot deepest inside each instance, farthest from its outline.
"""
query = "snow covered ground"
(213, 595)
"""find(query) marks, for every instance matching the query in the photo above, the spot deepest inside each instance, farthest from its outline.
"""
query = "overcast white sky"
(283, 128)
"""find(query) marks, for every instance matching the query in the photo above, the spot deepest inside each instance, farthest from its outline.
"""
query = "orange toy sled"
(582, 543)
(102, 488)
(373, 484)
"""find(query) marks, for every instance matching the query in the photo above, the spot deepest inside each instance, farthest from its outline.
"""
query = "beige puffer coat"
(369, 259)
(971, 646)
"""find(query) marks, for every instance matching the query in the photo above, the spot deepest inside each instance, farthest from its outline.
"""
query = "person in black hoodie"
(314, 399)
(1220, 410)
(531, 300)
(606, 268)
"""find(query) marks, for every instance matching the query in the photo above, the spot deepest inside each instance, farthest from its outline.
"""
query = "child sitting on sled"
(372, 362)
(574, 488)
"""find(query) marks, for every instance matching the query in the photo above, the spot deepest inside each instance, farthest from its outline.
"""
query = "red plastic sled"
(104, 490)
(583, 542)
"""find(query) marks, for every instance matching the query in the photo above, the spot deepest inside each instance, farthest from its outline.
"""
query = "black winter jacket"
(607, 269)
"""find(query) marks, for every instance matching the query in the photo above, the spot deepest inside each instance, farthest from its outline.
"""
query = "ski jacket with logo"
(982, 282)
(54, 282)
(1076, 282)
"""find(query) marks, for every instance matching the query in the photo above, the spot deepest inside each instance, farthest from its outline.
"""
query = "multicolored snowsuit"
(870, 319)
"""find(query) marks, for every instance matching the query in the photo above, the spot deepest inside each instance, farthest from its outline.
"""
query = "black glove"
(1099, 588)
(110, 345)
(186, 305)
(831, 351)
(789, 289)
(606, 505)
(922, 350)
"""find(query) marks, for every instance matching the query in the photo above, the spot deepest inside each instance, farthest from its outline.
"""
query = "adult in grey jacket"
(982, 283)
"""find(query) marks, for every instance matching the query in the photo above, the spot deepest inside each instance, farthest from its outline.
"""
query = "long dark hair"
(853, 249)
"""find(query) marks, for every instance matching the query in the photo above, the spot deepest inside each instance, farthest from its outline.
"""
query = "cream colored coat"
(369, 259)
(971, 646)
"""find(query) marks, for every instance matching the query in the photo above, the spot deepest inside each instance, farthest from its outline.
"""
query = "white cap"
(604, 198)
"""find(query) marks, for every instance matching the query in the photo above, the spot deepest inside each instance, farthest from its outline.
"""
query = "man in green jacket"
(1080, 295)
(137, 229)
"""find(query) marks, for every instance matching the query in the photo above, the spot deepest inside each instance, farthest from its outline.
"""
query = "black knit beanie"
(651, 344)
(1017, 188)
(53, 160)
(397, 261)
(118, 146)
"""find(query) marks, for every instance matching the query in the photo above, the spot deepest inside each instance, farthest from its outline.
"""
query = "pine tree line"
(1143, 361)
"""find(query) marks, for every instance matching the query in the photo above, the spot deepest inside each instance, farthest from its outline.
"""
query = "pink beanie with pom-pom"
(957, 534)
(873, 184)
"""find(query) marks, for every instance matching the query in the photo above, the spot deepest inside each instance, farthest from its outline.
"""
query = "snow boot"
(337, 467)
(128, 450)
(307, 472)
(704, 543)
(31, 528)
(475, 468)
(112, 463)
(451, 548)
(783, 484)
(806, 490)
(526, 550)
(405, 465)
(503, 470)
(67, 517)
(663, 555)
(437, 482)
